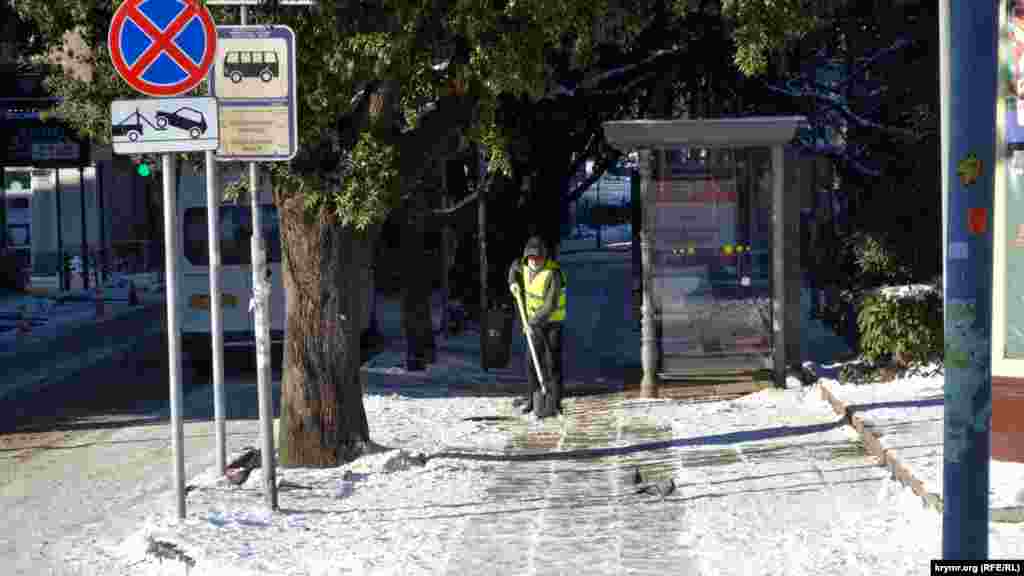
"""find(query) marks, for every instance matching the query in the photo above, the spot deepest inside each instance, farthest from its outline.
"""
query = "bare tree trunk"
(323, 422)
(445, 252)
(416, 287)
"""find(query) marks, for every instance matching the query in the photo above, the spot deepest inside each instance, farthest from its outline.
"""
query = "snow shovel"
(529, 339)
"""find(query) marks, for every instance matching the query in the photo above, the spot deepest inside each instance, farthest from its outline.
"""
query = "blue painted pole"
(969, 58)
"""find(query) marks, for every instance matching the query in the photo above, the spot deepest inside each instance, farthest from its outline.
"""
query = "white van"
(236, 270)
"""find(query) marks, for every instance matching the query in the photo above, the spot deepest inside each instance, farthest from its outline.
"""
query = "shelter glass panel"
(711, 268)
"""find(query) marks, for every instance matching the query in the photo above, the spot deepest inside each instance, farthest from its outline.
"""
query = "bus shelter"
(720, 246)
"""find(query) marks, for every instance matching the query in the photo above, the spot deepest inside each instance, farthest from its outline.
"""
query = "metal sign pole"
(85, 240)
(216, 312)
(261, 317)
(61, 275)
(174, 328)
(141, 127)
(970, 99)
(261, 287)
(98, 177)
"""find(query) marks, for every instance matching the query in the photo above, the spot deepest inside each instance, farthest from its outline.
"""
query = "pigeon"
(249, 458)
(662, 489)
(238, 475)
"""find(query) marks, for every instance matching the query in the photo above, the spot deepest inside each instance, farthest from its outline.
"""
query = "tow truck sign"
(164, 125)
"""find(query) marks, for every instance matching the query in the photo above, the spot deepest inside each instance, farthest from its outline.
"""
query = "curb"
(900, 471)
(886, 457)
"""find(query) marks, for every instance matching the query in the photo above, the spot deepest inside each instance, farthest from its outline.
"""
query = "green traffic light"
(144, 170)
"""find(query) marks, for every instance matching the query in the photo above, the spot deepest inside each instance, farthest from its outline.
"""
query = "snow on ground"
(908, 409)
(332, 514)
(384, 515)
(907, 291)
(381, 515)
(49, 317)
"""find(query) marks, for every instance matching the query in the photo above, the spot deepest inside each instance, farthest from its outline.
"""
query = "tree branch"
(446, 211)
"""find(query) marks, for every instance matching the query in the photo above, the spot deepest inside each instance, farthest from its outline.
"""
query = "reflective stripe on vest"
(535, 290)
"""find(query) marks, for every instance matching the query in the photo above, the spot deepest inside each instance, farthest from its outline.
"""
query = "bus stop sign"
(162, 47)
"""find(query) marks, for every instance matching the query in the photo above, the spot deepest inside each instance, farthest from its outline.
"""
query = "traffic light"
(143, 167)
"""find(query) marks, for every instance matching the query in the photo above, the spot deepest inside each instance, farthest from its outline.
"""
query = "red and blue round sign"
(162, 47)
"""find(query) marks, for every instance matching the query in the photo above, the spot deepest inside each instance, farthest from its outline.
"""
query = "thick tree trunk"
(323, 422)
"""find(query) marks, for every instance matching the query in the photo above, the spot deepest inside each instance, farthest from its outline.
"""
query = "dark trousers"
(549, 352)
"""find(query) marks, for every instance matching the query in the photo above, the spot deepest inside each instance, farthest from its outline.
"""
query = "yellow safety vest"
(535, 290)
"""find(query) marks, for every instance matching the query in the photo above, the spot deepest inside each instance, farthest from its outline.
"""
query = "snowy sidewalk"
(769, 483)
(902, 424)
(772, 483)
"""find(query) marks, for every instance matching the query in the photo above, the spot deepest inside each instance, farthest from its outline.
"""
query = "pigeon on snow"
(238, 475)
(662, 489)
(238, 470)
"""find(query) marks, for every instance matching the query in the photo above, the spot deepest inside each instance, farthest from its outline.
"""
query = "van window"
(232, 58)
(257, 57)
(19, 235)
(270, 57)
(235, 223)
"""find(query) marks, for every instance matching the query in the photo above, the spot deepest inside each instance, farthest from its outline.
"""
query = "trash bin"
(496, 339)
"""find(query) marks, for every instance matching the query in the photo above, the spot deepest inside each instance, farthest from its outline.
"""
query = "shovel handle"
(529, 340)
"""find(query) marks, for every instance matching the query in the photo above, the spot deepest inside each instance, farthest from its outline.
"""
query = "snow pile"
(433, 425)
(907, 291)
(323, 528)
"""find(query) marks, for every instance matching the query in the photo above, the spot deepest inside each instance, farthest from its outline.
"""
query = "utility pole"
(968, 81)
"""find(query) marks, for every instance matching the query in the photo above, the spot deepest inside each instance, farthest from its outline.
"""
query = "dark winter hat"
(534, 247)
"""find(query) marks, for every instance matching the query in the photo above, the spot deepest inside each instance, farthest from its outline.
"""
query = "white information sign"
(157, 125)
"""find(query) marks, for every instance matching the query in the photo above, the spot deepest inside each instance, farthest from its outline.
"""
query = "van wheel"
(266, 76)
(236, 77)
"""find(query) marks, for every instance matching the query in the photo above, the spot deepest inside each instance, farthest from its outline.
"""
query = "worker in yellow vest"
(543, 285)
